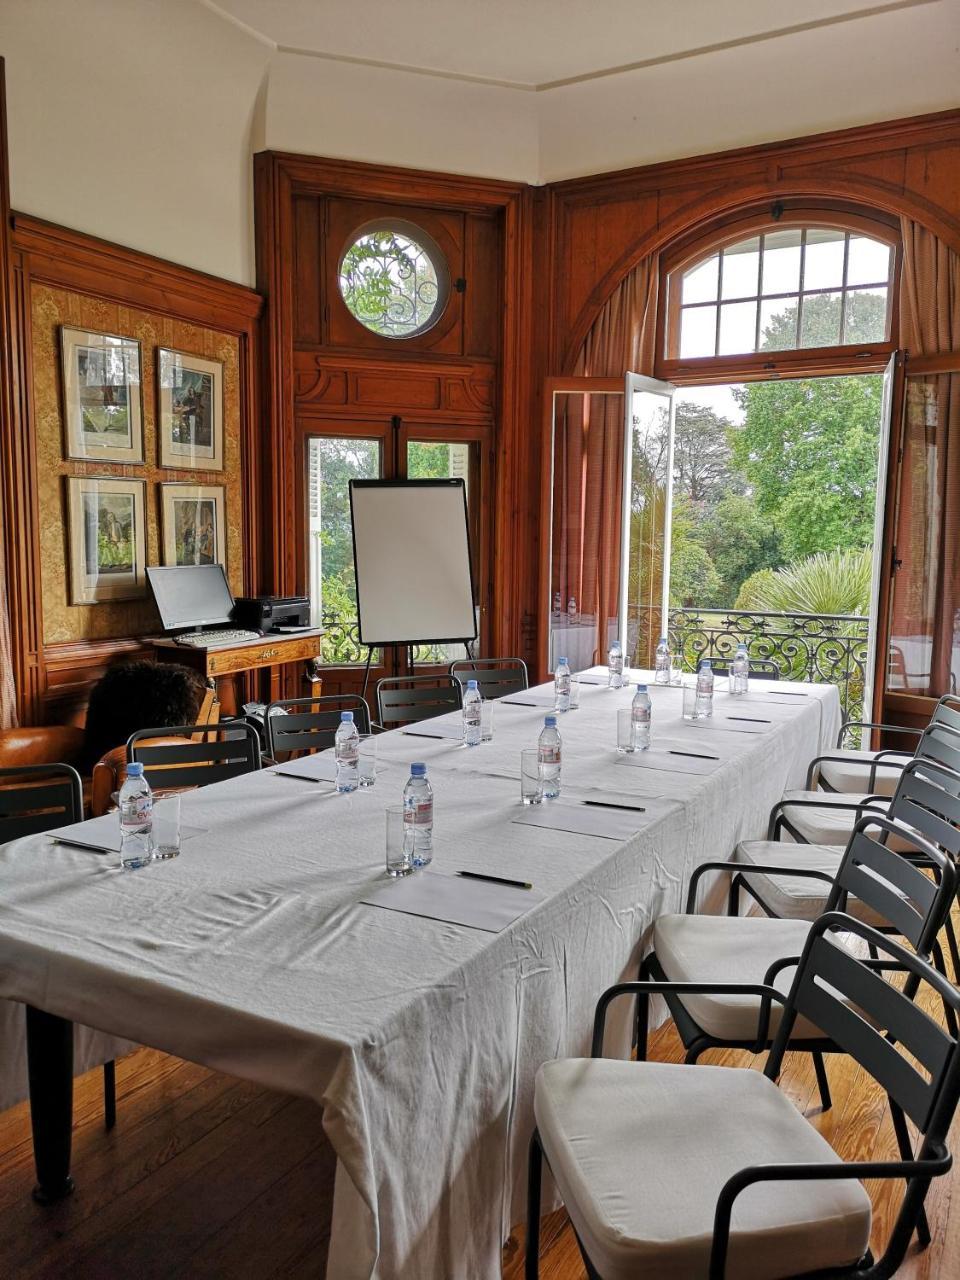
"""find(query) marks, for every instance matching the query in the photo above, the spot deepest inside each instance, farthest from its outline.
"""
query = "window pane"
(865, 315)
(738, 327)
(332, 462)
(868, 261)
(823, 260)
(698, 331)
(741, 265)
(781, 262)
(700, 283)
(778, 323)
(820, 320)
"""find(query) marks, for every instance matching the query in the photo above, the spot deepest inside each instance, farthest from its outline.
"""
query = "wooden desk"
(223, 665)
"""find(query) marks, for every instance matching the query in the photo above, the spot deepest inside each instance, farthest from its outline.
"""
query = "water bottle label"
(550, 755)
(419, 813)
(139, 810)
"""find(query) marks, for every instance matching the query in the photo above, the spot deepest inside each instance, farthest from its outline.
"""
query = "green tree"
(703, 469)
(740, 540)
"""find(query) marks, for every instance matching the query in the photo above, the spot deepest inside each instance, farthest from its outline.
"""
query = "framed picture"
(193, 524)
(103, 404)
(190, 411)
(106, 519)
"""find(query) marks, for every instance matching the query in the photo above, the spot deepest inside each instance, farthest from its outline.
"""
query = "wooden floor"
(205, 1176)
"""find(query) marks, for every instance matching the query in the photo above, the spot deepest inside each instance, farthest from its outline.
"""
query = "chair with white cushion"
(901, 896)
(675, 1171)
(851, 770)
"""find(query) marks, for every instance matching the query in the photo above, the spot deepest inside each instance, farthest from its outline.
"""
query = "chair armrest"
(643, 990)
(874, 724)
(932, 1167)
(743, 868)
(855, 806)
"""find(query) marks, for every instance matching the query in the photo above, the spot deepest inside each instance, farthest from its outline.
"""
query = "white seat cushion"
(849, 771)
(730, 949)
(641, 1150)
(795, 897)
(829, 823)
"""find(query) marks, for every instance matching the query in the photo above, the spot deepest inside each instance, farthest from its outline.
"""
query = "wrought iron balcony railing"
(341, 645)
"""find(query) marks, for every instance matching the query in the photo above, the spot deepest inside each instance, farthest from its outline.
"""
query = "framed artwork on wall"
(107, 538)
(103, 403)
(193, 522)
(190, 411)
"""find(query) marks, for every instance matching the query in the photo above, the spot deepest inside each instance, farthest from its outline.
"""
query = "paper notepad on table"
(102, 835)
(440, 895)
(583, 820)
(667, 761)
(529, 700)
(322, 768)
(424, 729)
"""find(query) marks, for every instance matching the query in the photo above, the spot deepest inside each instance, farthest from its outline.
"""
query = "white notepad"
(441, 895)
(102, 835)
(668, 761)
(583, 820)
(424, 729)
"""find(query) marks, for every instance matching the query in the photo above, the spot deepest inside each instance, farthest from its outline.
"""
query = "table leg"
(50, 1069)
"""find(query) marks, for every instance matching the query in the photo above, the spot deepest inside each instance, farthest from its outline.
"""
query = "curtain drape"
(925, 633)
(588, 454)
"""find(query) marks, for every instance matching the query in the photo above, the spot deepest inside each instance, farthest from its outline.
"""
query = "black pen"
(749, 719)
(476, 875)
(694, 755)
(609, 804)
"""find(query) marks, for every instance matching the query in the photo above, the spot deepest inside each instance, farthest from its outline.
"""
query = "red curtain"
(925, 631)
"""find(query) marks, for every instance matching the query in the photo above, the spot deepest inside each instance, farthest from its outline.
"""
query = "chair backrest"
(892, 885)
(406, 699)
(947, 713)
(927, 800)
(913, 1058)
(496, 677)
(310, 724)
(221, 751)
(38, 797)
(760, 668)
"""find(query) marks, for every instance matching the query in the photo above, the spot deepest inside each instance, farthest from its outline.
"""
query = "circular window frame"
(438, 260)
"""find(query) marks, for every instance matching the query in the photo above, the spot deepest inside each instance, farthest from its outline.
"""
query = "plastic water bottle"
(705, 690)
(557, 605)
(661, 663)
(346, 749)
(418, 816)
(561, 684)
(136, 819)
(572, 611)
(740, 670)
(548, 749)
(615, 666)
(472, 703)
(642, 713)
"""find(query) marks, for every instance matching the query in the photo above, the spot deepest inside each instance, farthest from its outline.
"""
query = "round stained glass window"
(394, 279)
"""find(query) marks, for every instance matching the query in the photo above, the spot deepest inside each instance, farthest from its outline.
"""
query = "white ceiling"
(539, 45)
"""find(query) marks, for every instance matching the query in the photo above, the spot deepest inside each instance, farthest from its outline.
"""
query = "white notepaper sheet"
(583, 820)
(102, 835)
(424, 729)
(442, 895)
(668, 761)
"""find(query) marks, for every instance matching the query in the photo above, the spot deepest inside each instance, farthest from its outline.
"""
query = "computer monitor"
(190, 595)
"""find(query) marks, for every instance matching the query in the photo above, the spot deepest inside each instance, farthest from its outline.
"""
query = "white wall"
(131, 120)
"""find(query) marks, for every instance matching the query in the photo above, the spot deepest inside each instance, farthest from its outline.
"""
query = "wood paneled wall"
(61, 275)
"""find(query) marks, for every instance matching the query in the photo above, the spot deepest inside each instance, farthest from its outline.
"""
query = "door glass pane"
(332, 462)
(450, 460)
(650, 453)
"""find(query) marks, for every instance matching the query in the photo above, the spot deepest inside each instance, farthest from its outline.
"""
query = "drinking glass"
(676, 669)
(574, 692)
(486, 719)
(166, 825)
(367, 760)
(626, 738)
(398, 842)
(690, 710)
(531, 780)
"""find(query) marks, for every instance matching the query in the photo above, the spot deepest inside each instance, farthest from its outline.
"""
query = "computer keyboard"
(213, 639)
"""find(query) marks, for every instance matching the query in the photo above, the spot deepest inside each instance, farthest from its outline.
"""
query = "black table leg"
(50, 1067)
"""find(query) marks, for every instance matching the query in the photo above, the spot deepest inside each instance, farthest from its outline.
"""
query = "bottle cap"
(472, 684)
(135, 769)
(418, 770)
(663, 639)
(561, 662)
(705, 662)
(346, 715)
(550, 722)
(641, 688)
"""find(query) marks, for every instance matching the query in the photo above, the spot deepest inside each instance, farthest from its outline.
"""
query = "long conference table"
(253, 954)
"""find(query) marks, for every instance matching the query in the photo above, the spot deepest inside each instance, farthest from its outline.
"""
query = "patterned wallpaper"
(51, 308)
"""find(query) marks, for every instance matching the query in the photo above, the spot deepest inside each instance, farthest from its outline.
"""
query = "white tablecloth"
(252, 954)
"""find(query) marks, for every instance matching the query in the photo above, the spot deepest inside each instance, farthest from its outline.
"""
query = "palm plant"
(828, 583)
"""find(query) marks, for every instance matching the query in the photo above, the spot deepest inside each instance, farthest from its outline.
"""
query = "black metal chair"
(496, 677)
(36, 798)
(760, 668)
(310, 724)
(651, 1158)
(891, 884)
(195, 755)
(408, 699)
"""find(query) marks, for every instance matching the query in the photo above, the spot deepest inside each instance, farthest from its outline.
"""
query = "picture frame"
(190, 411)
(102, 396)
(193, 522)
(107, 538)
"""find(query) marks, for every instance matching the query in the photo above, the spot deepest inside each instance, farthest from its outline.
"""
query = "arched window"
(789, 286)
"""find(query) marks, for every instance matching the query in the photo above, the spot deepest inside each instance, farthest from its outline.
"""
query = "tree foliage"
(836, 582)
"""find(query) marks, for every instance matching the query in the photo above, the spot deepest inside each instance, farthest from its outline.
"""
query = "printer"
(271, 613)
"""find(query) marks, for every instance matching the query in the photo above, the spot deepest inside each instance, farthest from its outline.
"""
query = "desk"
(252, 953)
(224, 664)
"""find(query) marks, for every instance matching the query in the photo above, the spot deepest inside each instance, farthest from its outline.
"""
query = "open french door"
(877, 568)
